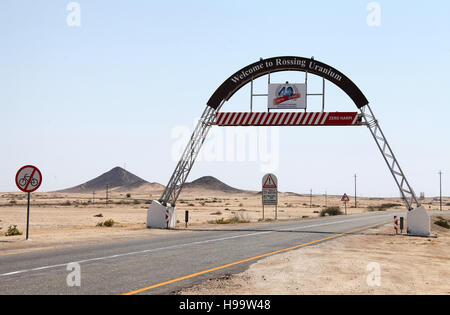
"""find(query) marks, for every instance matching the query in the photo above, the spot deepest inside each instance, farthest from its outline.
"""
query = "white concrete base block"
(418, 222)
(161, 217)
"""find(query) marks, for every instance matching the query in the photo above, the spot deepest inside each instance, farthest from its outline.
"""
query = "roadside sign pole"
(28, 215)
(263, 211)
(28, 180)
(345, 199)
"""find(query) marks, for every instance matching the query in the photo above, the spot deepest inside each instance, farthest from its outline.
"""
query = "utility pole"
(93, 197)
(106, 202)
(326, 199)
(310, 198)
(440, 189)
(355, 193)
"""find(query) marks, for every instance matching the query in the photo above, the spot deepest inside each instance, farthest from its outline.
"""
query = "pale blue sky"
(78, 101)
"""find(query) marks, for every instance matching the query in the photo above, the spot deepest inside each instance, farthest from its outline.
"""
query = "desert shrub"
(13, 202)
(191, 205)
(128, 195)
(383, 207)
(316, 211)
(107, 223)
(443, 223)
(136, 202)
(67, 203)
(330, 211)
(13, 231)
(241, 205)
(216, 213)
(234, 220)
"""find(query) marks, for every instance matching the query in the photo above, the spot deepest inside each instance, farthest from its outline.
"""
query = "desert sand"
(407, 265)
(68, 219)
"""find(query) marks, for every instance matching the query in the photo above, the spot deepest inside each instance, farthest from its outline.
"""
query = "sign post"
(28, 180)
(345, 198)
(270, 192)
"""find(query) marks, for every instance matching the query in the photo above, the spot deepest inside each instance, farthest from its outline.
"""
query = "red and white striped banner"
(287, 119)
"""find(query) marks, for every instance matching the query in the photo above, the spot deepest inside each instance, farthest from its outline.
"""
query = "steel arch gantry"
(266, 67)
(406, 191)
(187, 160)
(208, 119)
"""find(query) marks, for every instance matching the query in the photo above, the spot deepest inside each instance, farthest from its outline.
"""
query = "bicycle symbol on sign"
(24, 180)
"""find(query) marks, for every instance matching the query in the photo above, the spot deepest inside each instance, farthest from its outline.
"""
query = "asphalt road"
(155, 266)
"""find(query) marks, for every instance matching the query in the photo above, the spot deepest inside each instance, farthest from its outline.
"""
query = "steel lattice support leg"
(406, 190)
(184, 166)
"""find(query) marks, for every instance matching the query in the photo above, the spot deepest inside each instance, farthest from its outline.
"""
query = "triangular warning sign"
(269, 183)
(345, 198)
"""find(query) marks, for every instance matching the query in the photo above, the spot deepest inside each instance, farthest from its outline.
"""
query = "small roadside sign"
(28, 180)
(345, 198)
(270, 192)
(270, 181)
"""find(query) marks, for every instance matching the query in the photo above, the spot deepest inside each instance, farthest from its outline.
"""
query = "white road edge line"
(187, 244)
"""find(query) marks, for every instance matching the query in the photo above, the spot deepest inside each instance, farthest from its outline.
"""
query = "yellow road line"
(249, 259)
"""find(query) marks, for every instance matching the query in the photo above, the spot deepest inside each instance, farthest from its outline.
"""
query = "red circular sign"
(28, 178)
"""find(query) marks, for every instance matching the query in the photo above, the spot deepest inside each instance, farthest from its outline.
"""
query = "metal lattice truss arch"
(230, 86)
(187, 160)
(406, 190)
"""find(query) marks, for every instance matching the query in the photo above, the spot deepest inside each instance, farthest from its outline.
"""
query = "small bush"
(443, 223)
(331, 211)
(136, 202)
(107, 223)
(67, 203)
(191, 205)
(128, 195)
(13, 231)
(13, 202)
(216, 213)
(383, 207)
(234, 220)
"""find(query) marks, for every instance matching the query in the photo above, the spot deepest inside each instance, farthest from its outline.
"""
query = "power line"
(440, 189)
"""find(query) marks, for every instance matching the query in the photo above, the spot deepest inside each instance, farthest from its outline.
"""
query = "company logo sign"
(287, 96)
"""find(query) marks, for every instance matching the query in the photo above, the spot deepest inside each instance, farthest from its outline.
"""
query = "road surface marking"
(187, 244)
(249, 259)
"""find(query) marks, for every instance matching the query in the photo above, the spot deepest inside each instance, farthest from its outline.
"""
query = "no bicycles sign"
(28, 178)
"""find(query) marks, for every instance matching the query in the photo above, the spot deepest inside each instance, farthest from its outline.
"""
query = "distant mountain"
(117, 179)
(210, 183)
